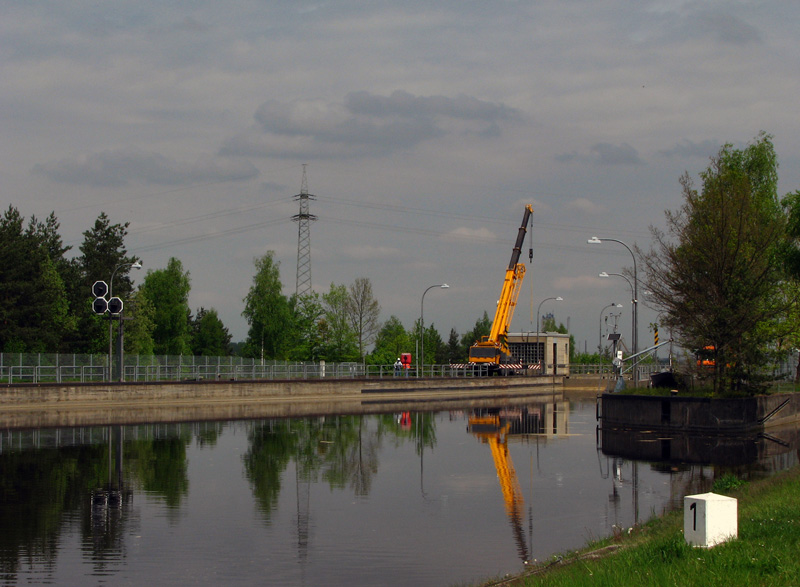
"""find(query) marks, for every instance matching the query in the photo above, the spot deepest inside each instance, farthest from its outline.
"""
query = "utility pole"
(304, 220)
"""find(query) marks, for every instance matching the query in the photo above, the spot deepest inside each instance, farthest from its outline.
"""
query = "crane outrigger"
(492, 350)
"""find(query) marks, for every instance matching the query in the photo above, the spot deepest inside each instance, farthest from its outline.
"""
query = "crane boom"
(493, 349)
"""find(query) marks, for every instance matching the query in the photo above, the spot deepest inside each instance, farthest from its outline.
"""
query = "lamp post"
(633, 295)
(422, 325)
(558, 299)
(635, 342)
(538, 338)
(133, 265)
(600, 326)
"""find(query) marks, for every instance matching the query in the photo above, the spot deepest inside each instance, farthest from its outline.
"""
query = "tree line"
(724, 277)
(46, 306)
(46, 300)
(340, 325)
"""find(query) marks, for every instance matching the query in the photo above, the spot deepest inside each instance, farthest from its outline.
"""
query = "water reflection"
(767, 452)
(110, 505)
(493, 430)
(401, 498)
(692, 462)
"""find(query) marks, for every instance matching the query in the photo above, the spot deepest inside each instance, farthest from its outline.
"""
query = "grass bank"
(767, 551)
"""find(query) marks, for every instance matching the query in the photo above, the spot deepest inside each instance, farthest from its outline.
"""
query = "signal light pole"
(113, 306)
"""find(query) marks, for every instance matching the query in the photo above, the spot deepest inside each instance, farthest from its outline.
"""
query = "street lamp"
(558, 299)
(134, 265)
(635, 342)
(538, 337)
(600, 326)
(422, 325)
(633, 301)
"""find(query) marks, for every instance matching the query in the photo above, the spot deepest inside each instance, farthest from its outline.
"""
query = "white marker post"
(709, 519)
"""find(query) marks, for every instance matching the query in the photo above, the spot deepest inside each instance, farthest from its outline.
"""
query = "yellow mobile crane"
(492, 351)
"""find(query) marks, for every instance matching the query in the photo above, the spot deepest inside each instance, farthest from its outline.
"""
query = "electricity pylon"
(304, 220)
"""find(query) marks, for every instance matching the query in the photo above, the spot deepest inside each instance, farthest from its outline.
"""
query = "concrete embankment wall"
(702, 415)
(596, 383)
(114, 403)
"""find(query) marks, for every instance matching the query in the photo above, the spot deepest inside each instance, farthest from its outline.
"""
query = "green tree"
(455, 352)
(392, 340)
(305, 339)
(483, 326)
(102, 253)
(139, 329)
(52, 307)
(363, 311)
(435, 349)
(717, 274)
(168, 291)
(267, 312)
(210, 338)
(340, 341)
(791, 256)
(34, 308)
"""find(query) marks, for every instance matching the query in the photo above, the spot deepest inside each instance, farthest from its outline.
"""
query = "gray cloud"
(404, 104)
(366, 124)
(679, 24)
(725, 28)
(690, 149)
(603, 154)
(623, 154)
(585, 207)
(329, 124)
(567, 157)
(123, 166)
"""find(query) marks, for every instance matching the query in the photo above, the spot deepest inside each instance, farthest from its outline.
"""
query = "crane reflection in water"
(491, 430)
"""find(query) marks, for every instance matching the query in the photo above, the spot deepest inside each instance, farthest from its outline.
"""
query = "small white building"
(548, 350)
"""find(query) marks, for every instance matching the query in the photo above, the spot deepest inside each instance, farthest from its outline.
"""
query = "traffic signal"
(99, 289)
(100, 305)
(114, 306)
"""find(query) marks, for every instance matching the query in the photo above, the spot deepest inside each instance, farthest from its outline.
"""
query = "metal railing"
(75, 368)
(597, 369)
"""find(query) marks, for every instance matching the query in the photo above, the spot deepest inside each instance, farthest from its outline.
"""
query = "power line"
(209, 236)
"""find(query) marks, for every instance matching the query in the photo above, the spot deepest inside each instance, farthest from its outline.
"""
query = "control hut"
(545, 352)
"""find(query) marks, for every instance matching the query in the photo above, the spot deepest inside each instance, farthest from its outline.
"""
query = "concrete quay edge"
(24, 406)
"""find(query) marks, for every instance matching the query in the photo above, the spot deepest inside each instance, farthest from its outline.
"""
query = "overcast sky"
(426, 127)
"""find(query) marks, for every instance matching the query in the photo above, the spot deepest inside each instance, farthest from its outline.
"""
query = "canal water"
(441, 498)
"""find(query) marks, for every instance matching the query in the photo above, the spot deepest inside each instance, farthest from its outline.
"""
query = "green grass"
(767, 551)
(707, 391)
